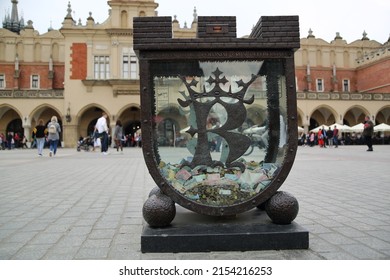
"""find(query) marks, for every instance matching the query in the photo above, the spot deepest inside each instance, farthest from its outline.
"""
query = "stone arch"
(9, 114)
(322, 114)
(354, 115)
(130, 117)
(301, 118)
(169, 122)
(128, 106)
(383, 115)
(142, 14)
(87, 116)
(44, 111)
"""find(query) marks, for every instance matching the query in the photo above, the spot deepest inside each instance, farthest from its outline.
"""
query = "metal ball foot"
(282, 208)
(159, 210)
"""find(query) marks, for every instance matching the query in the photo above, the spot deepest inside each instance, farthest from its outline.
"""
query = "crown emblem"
(236, 115)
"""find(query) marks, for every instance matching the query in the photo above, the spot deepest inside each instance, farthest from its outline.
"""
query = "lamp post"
(68, 117)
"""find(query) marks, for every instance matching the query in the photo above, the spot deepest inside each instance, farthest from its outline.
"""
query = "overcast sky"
(325, 18)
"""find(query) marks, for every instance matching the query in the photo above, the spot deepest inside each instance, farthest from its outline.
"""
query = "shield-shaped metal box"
(218, 113)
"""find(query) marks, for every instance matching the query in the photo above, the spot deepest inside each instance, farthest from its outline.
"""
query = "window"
(346, 85)
(320, 85)
(102, 67)
(133, 67)
(35, 81)
(125, 67)
(129, 66)
(2, 81)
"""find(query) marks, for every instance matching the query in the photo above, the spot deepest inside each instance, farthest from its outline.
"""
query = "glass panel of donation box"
(220, 127)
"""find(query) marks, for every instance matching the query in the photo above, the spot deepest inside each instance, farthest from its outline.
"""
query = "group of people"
(49, 133)
(12, 140)
(120, 139)
(323, 138)
(331, 137)
(41, 134)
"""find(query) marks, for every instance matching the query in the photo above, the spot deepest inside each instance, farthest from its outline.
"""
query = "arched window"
(123, 19)
(55, 50)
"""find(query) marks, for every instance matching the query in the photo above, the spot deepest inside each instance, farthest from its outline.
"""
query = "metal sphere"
(155, 190)
(282, 208)
(159, 210)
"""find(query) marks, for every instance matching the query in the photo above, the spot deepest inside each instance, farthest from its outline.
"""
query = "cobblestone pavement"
(84, 205)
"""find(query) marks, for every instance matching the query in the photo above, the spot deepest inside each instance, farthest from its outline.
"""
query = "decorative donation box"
(219, 128)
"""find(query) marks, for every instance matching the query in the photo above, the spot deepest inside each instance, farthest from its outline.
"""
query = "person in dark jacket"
(39, 134)
(368, 132)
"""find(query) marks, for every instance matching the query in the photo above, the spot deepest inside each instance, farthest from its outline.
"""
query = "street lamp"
(68, 117)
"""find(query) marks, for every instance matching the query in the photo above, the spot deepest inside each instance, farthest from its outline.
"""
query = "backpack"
(52, 128)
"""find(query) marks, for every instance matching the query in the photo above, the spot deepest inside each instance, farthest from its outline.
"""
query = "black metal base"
(250, 231)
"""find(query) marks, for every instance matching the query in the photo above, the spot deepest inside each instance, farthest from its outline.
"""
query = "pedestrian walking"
(335, 136)
(39, 133)
(320, 137)
(118, 135)
(54, 131)
(10, 140)
(368, 132)
(102, 128)
(329, 137)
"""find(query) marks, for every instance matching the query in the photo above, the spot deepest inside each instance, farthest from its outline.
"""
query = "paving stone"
(31, 252)
(97, 243)
(96, 212)
(92, 254)
(363, 252)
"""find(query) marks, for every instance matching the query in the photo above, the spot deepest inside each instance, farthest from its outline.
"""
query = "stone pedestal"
(250, 231)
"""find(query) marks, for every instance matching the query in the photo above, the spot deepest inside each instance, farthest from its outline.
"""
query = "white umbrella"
(382, 127)
(358, 127)
(341, 127)
(315, 130)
